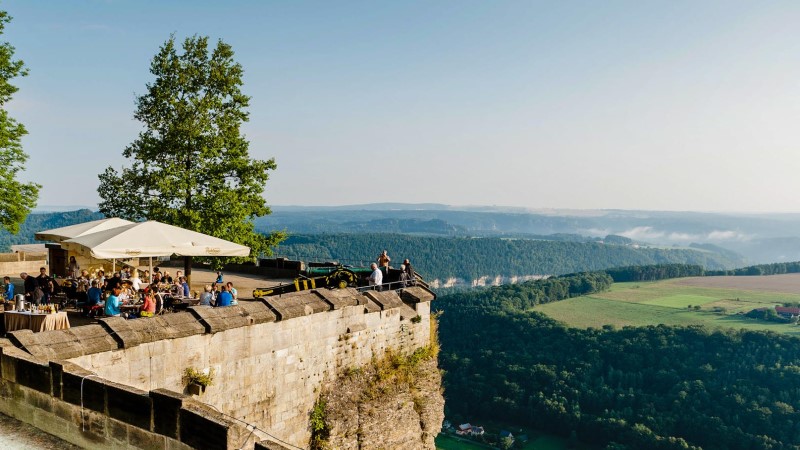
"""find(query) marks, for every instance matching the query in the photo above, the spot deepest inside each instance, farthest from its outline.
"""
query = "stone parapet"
(64, 344)
(270, 359)
(244, 314)
(89, 411)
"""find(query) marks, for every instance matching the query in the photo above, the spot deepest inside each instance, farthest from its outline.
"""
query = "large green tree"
(18, 197)
(190, 166)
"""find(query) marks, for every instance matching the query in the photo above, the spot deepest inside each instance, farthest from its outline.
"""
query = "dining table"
(27, 320)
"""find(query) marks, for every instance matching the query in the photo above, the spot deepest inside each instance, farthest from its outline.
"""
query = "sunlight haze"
(678, 105)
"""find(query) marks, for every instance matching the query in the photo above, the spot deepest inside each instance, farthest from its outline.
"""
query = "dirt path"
(16, 435)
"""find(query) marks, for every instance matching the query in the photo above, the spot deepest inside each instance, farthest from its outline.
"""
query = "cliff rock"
(393, 403)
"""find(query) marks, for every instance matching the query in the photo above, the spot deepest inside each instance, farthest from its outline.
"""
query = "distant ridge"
(62, 208)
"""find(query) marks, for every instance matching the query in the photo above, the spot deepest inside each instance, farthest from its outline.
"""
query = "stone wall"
(79, 407)
(271, 358)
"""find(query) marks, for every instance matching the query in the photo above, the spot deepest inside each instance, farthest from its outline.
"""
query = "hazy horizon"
(674, 106)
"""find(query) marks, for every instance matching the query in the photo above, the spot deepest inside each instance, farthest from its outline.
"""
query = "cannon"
(331, 277)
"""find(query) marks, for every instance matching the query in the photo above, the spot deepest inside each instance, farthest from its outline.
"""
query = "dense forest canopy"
(472, 258)
(654, 387)
(37, 222)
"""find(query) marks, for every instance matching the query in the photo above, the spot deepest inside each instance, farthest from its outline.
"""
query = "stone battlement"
(270, 358)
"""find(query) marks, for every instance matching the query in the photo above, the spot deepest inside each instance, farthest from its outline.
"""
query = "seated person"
(234, 293)
(206, 297)
(149, 306)
(184, 285)
(113, 303)
(224, 298)
(92, 297)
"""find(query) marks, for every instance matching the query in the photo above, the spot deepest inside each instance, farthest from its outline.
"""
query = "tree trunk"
(187, 269)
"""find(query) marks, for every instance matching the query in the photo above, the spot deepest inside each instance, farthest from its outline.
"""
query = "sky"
(658, 105)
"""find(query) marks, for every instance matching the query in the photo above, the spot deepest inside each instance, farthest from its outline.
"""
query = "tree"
(18, 197)
(190, 166)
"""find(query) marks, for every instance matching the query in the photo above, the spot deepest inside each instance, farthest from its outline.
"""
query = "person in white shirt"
(376, 277)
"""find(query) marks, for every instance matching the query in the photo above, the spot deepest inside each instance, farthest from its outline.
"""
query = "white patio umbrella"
(152, 238)
(80, 229)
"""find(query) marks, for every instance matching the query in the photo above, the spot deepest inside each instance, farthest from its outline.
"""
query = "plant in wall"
(197, 381)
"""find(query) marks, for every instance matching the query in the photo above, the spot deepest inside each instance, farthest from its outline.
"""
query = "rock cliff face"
(393, 403)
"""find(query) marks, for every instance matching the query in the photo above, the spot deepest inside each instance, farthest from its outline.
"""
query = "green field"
(664, 302)
(447, 442)
(538, 442)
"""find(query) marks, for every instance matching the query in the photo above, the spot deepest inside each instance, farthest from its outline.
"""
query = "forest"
(472, 258)
(44, 221)
(655, 387)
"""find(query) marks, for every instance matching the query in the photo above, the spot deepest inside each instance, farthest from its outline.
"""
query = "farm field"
(668, 302)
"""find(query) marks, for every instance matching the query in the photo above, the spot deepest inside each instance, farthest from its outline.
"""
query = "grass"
(664, 302)
(446, 442)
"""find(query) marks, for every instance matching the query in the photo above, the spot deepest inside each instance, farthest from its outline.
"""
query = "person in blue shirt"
(185, 286)
(113, 303)
(93, 297)
(9, 288)
(219, 278)
(224, 298)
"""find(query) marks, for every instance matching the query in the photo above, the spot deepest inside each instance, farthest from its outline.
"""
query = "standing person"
(9, 292)
(30, 285)
(113, 303)
(411, 276)
(73, 270)
(376, 277)
(43, 282)
(383, 259)
(403, 276)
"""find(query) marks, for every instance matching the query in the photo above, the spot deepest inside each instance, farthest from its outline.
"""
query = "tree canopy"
(18, 197)
(190, 166)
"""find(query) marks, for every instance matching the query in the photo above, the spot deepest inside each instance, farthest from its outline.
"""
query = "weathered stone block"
(386, 299)
(202, 428)
(269, 445)
(139, 438)
(166, 411)
(417, 294)
(26, 371)
(215, 320)
(297, 305)
(339, 298)
(80, 386)
(129, 405)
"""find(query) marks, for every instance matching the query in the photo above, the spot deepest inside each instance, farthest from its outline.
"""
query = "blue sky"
(673, 105)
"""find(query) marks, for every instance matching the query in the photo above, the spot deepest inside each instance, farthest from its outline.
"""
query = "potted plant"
(197, 381)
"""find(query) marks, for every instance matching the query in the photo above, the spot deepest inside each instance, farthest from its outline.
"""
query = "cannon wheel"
(342, 278)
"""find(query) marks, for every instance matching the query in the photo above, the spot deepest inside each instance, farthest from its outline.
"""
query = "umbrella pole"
(113, 266)
(151, 270)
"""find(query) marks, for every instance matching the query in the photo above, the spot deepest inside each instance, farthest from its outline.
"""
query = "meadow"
(676, 302)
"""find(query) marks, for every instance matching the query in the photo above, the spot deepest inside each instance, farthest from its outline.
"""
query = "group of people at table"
(125, 290)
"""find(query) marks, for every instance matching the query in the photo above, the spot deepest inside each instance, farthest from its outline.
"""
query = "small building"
(476, 431)
(787, 311)
(506, 434)
(464, 429)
